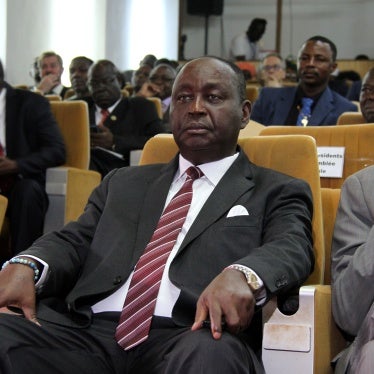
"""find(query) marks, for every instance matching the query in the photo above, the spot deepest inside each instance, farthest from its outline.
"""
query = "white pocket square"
(237, 210)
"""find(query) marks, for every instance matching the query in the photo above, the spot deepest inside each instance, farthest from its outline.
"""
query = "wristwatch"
(254, 282)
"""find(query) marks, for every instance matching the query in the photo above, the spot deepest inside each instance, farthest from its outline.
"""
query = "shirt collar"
(110, 109)
(213, 171)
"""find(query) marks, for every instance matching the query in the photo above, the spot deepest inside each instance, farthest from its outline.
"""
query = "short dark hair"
(85, 59)
(319, 38)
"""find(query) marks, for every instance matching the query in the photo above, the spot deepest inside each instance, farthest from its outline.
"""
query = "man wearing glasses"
(272, 70)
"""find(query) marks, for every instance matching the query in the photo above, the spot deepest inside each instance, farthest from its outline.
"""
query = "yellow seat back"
(358, 141)
(72, 118)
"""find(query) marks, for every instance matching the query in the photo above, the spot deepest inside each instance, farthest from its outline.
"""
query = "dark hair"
(85, 59)
(319, 38)
(256, 29)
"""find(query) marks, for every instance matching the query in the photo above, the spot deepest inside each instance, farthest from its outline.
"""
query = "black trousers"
(28, 348)
(27, 206)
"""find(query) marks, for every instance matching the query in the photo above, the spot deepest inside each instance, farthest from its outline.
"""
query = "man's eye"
(214, 98)
(184, 98)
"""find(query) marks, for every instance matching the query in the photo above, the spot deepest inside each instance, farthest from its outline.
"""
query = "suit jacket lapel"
(323, 107)
(153, 205)
(283, 105)
(222, 198)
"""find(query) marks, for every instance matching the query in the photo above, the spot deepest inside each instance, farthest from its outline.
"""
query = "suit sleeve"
(147, 125)
(44, 146)
(353, 255)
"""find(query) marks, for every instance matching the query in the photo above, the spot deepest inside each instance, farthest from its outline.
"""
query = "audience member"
(78, 72)
(353, 272)
(160, 84)
(311, 102)
(118, 124)
(35, 73)
(272, 70)
(367, 96)
(30, 142)
(51, 69)
(246, 238)
(354, 91)
(139, 77)
(342, 81)
(129, 74)
(245, 46)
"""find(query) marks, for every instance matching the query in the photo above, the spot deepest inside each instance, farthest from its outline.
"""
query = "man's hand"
(227, 299)
(104, 138)
(48, 82)
(148, 90)
(17, 289)
(8, 166)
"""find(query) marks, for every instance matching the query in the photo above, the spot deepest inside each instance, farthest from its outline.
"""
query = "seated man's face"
(78, 72)
(367, 97)
(50, 65)
(272, 69)
(141, 76)
(104, 85)
(163, 77)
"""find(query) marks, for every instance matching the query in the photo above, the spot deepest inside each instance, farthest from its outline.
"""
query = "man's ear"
(246, 113)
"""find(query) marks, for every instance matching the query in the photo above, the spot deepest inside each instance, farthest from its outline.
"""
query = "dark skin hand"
(17, 289)
(103, 138)
(228, 299)
(7, 166)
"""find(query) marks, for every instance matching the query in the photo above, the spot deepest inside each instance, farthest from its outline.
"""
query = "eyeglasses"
(269, 67)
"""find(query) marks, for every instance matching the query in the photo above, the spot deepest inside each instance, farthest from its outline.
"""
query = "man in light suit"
(353, 272)
(30, 143)
(247, 237)
(281, 106)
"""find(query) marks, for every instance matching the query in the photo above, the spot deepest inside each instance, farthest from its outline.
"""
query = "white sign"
(331, 161)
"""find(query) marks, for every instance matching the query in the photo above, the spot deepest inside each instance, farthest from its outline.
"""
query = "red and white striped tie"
(137, 312)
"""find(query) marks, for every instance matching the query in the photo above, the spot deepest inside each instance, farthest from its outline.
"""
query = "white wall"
(116, 29)
(346, 22)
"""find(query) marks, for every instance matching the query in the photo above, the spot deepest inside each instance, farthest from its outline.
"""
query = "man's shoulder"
(342, 102)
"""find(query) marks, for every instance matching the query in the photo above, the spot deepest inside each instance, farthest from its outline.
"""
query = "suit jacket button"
(117, 280)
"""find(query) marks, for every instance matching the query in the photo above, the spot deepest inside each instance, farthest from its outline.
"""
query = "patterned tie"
(137, 312)
(104, 116)
(305, 111)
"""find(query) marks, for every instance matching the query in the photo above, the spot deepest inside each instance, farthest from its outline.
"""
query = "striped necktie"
(137, 312)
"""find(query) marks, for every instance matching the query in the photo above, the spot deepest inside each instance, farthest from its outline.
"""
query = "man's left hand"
(227, 301)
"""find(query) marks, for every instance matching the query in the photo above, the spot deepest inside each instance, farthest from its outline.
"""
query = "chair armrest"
(68, 190)
(304, 342)
(135, 155)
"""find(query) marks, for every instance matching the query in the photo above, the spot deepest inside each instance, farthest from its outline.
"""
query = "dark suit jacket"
(33, 138)
(94, 256)
(133, 121)
(273, 105)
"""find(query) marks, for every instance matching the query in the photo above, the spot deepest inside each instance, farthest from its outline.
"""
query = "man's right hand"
(17, 289)
(48, 82)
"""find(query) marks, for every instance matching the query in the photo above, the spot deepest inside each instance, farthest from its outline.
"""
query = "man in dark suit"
(30, 143)
(51, 69)
(283, 106)
(126, 125)
(246, 237)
